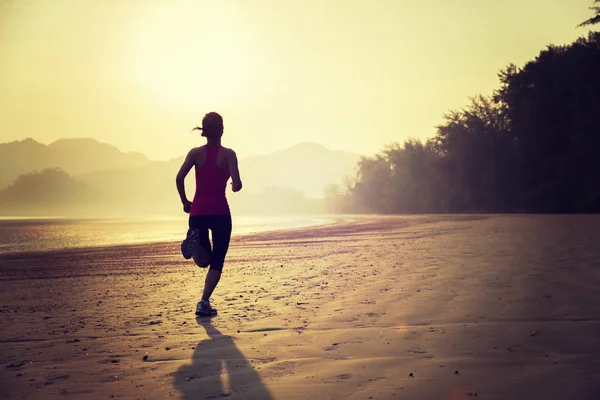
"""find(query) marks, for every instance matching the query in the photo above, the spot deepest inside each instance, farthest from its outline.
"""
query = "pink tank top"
(211, 182)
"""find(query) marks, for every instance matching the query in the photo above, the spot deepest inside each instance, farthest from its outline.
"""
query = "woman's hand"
(236, 186)
(187, 206)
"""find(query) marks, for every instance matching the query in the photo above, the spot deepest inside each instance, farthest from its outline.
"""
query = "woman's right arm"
(187, 165)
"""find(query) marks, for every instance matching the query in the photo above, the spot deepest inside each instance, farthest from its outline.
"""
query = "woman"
(214, 166)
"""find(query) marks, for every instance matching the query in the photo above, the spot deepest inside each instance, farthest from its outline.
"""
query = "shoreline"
(327, 220)
(349, 221)
(315, 221)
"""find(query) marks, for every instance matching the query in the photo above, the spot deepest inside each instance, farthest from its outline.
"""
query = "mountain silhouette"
(84, 155)
(48, 192)
(74, 156)
(21, 157)
(306, 167)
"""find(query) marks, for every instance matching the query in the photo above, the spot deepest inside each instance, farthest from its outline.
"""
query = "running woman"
(214, 165)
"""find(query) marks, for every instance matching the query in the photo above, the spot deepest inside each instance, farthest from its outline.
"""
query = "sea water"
(41, 234)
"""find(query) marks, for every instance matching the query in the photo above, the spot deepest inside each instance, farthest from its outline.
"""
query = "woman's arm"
(187, 165)
(236, 181)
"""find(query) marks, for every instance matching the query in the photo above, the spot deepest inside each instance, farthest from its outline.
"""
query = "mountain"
(306, 167)
(74, 156)
(21, 157)
(145, 190)
(84, 155)
(49, 192)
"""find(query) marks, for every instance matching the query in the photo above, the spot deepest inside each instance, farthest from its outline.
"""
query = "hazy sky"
(352, 75)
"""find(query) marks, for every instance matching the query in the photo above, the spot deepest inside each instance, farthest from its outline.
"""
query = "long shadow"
(219, 370)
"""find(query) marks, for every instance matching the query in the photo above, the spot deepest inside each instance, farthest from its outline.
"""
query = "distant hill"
(21, 157)
(84, 155)
(306, 167)
(145, 190)
(74, 156)
(48, 192)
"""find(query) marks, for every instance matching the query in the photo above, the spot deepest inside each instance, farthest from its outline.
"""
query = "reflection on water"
(29, 234)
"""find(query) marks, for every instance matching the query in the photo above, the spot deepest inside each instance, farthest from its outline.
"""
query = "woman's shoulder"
(199, 149)
(227, 150)
(196, 152)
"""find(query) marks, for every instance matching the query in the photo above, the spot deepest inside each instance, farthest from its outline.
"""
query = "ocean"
(41, 234)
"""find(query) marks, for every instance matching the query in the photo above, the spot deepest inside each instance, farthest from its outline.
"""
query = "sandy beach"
(422, 307)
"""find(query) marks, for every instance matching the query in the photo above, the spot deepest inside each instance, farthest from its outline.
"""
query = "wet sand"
(423, 307)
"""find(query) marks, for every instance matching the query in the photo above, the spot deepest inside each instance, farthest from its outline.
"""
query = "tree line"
(531, 146)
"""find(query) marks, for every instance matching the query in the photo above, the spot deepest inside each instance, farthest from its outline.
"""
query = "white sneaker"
(203, 309)
(188, 246)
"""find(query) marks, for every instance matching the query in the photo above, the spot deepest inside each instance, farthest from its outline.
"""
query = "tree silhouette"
(552, 106)
(532, 146)
(594, 20)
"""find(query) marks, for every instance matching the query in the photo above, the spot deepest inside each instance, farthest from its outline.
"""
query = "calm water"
(22, 235)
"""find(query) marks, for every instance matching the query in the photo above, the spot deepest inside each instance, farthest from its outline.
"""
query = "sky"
(353, 75)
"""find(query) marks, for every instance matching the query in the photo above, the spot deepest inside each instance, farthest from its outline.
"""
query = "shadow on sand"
(219, 370)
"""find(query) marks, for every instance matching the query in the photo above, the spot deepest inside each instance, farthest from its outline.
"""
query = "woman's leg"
(220, 226)
(202, 254)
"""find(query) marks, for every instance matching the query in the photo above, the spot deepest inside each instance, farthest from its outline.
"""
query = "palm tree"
(594, 20)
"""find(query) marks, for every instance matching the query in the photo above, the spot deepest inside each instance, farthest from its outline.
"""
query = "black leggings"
(220, 226)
